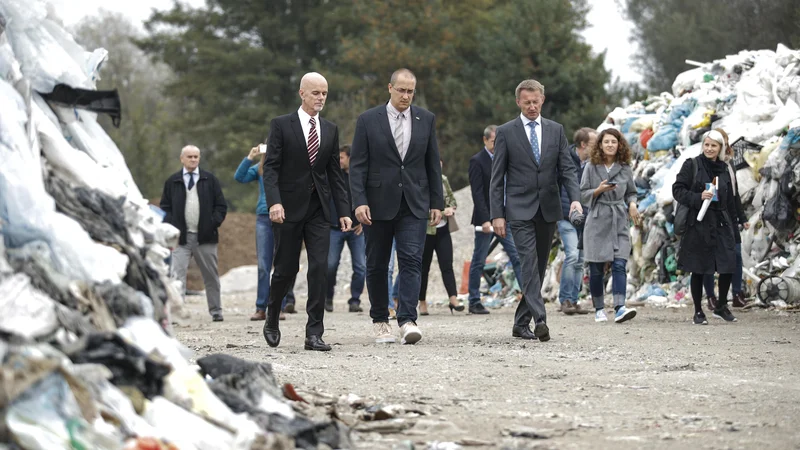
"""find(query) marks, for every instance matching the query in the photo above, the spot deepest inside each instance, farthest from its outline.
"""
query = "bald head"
(313, 93)
(190, 157)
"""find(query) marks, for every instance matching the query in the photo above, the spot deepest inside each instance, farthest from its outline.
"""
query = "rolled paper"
(479, 228)
(707, 202)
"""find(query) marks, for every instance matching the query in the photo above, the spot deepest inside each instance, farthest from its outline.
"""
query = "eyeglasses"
(405, 91)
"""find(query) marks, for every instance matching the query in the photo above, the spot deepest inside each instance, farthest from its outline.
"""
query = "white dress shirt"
(393, 114)
(304, 122)
(195, 175)
(525, 122)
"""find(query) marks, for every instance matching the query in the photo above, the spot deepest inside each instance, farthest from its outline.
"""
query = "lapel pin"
(417, 117)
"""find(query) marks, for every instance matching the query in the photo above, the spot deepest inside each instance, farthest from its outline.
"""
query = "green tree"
(237, 64)
(668, 32)
(146, 135)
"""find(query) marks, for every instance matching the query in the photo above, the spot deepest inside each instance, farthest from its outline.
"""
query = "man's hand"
(576, 206)
(358, 229)
(449, 211)
(277, 214)
(486, 227)
(345, 223)
(499, 225)
(363, 215)
(436, 217)
(254, 154)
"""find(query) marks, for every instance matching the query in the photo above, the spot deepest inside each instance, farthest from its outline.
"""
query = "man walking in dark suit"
(480, 175)
(193, 201)
(396, 184)
(301, 175)
(531, 159)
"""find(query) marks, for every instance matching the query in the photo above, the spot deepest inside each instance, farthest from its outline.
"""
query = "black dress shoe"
(542, 332)
(290, 309)
(354, 307)
(272, 335)
(329, 304)
(217, 317)
(317, 344)
(478, 309)
(523, 332)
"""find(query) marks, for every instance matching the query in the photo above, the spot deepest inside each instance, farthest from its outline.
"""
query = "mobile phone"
(262, 148)
(612, 184)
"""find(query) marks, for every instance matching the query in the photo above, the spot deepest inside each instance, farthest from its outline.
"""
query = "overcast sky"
(607, 30)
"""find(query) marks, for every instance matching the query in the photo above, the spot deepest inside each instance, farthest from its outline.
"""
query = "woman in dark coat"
(708, 246)
(740, 219)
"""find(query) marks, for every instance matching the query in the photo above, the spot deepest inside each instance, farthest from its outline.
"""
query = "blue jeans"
(736, 281)
(265, 250)
(619, 281)
(409, 233)
(357, 247)
(479, 254)
(572, 270)
(392, 285)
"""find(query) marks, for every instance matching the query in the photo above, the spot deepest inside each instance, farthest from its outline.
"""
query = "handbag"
(681, 217)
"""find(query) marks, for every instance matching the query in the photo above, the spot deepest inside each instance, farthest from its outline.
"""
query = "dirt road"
(655, 382)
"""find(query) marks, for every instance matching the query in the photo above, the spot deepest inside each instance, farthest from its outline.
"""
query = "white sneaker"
(600, 316)
(410, 333)
(383, 333)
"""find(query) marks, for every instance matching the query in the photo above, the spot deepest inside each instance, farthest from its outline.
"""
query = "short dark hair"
(399, 72)
(583, 135)
(345, 149)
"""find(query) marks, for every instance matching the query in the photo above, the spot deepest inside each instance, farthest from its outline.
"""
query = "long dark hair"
(623, 149)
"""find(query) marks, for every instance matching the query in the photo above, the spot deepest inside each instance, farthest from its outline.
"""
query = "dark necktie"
(191, 181)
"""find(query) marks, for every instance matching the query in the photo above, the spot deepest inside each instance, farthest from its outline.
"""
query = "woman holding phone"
(709, 245)
(607, 186)
(248, 171)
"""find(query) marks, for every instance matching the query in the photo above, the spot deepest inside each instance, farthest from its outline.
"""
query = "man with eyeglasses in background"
(396, 184)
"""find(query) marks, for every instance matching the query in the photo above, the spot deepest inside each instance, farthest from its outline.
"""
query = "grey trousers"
(533, 239)
(205, 256)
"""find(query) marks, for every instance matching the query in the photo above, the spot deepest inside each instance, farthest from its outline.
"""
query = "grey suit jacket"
(525, 185)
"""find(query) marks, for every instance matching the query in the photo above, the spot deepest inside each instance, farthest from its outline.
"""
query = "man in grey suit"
(396, 182)
(531, 159)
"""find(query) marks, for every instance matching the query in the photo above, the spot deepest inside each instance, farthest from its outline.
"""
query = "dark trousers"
(442, 243)
(314, 229)
(408, 232)
(533, 239)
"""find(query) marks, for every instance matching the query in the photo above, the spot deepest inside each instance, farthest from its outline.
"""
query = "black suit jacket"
(526, 185)
(289, 178)
(480, 174)
(380, 179)
(212, 206)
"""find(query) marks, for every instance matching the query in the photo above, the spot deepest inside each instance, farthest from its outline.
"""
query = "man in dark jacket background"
(194, 204)
(480, 174)
(572, 269)
(355, 242)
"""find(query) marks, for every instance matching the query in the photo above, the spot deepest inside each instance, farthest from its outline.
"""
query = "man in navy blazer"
(531, 161)
(301, 177)
(396, 185)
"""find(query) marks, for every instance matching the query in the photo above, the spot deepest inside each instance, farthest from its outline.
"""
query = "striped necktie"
(313, 142)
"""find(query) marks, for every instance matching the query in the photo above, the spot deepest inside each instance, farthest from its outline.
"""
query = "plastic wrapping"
(24, 310)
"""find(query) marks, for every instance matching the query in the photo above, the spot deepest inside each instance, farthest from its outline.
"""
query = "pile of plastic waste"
(755, 97)
(86, 357)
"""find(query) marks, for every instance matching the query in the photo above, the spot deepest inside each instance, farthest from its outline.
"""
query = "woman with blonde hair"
(607, 186)
(708, 245)
(737, 215)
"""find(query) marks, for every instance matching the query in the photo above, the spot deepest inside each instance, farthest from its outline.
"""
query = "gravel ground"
(655, 382)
